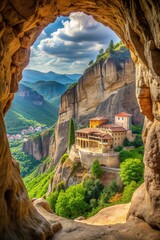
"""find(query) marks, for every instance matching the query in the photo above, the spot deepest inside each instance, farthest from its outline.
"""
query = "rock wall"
(103, 90)
(38, 146)
(137, 24)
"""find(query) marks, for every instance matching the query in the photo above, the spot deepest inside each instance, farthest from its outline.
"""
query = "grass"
(24, 113)
(37, 185)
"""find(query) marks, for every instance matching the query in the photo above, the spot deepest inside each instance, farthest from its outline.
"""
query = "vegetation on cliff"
(117, 52)
(71, 134)
(29, 109)
(37, 184)
(96, 169)
(27, 163)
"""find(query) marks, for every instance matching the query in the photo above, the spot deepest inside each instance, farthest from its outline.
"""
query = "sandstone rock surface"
(137, 24)
(135, 229)
(103, 90)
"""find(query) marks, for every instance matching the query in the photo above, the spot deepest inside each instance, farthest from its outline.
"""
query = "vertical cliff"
(137, 24)
(105, 89)
(38, 146)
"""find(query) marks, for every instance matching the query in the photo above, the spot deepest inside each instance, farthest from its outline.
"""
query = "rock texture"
(103, 90)
(137, 24)
(39, 146)
(135, 229)
(67, 174)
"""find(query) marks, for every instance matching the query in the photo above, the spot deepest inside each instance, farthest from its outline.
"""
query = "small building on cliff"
(103, 137)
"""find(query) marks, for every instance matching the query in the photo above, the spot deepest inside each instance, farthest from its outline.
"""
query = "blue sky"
(69, 44)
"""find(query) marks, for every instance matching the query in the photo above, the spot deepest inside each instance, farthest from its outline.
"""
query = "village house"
(102, 136)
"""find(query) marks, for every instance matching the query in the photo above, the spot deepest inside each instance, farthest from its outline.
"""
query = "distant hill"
(35, 76)
(29, 108)
(50, 90)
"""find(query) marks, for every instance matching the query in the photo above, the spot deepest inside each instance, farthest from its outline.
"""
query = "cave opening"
(122, 18)
(59, 56)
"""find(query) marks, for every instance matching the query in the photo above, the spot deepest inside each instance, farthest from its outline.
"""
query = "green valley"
(29, 109)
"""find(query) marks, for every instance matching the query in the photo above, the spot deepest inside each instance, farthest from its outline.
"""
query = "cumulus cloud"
(72, 46)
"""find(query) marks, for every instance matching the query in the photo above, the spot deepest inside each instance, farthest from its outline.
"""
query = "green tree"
(52, 199)
(131, 170)
(127, 143)
(90, 63)
(96, 169)
(101, 51)
(124, 154)
(93, 188)
(111, 47)
(61, 207)
(128, 191)
(71, 204)
(118, 149)
(71, 134)
(136, 129)
(138, 141)
(108, 193)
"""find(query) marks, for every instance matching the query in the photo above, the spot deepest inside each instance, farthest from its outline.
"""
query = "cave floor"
(133, 229)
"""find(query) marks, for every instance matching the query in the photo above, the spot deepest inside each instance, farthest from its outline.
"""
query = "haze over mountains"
(37, 100)
(34, 76)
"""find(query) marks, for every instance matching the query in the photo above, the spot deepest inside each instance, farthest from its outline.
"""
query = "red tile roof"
(123, 114)
(99, 118)
(95, 132)
(113, 127)
(88, 130)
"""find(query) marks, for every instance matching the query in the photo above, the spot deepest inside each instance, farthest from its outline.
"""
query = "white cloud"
(78, 42)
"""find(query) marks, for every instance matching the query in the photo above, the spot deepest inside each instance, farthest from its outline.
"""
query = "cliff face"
(103, 90)
(137, 24)
(38, 146)
(29, 94)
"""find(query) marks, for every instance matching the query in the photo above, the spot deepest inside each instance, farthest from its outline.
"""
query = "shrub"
(116, 198)
(108, 193)
(138, 141)
(131, 170)
(118, 149)
(96, 169)
(64, 157)
(52, 199)
(136, 129)
(128, 191)
(127, 143)
(133, 153)
(93, 188)
(71, 203)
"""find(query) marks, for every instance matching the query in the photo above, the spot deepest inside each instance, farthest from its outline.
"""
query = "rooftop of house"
(98, 118)
(95, 132)
(113, 127)
(88, 130)
(123, 114)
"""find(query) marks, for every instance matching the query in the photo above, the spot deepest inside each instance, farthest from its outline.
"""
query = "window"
(122, 118)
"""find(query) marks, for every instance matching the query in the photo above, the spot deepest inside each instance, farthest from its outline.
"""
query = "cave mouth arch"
(19, 31)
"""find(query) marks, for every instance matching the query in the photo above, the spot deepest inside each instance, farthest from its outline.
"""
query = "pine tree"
(111, 47)
(71, 134)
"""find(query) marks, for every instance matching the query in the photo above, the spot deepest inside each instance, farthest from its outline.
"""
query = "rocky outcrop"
(103, 90)
(137, 24)
(66, 174)
(134, 229)
(39, 145)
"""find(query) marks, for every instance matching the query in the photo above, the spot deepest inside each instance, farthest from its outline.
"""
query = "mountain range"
(30, 75)
(29, 108)
(37, 100)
